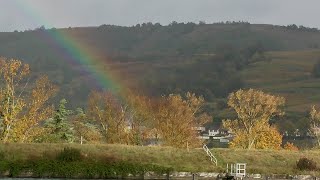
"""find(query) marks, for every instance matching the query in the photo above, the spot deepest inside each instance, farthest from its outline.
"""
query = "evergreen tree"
(60, 129)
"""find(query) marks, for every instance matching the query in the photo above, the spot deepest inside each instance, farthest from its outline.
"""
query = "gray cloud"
(28, 14)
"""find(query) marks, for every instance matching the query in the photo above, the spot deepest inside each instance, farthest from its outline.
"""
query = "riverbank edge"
(175, 175)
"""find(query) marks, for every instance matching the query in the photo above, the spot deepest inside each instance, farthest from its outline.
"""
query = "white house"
(223, 136)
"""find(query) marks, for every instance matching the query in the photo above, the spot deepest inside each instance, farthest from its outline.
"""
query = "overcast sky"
(29, 14)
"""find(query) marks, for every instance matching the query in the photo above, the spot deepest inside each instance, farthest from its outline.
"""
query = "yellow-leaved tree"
(139, 117)
(21, 111)
(110, 115)
(315, 124)
(176, 120)
(84, 130)
(254, 109)
(36, 110)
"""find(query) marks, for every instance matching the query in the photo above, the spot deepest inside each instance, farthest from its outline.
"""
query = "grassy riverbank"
(194, 160)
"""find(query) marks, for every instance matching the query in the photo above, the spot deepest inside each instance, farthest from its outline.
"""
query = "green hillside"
(288, 74)
(209, 59)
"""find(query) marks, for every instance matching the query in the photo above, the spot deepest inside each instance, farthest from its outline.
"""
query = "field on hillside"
(287, 74)
(193, 160)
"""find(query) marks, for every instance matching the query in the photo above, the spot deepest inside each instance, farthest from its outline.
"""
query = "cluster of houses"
(297, 133)
(217, 137)
(225, 136)
(220, 135)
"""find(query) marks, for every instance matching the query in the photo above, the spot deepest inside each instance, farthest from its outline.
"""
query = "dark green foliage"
(78, 169)
(2, 154)
(211, 77)
(16, 167)
(306, 164)
(69, 155)
(4, 166)
(70, 163)
(61, 129)
(291, 121)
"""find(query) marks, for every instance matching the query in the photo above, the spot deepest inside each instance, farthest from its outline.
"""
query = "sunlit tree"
(254, 109)
(315, 124)
(84, 130)
(21, 111)
(176, 120)
(105, 110)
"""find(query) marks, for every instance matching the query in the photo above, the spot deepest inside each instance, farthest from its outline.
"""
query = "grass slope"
(195, 160)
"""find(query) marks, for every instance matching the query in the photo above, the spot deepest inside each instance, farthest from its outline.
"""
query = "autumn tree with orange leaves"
(85, 131)
(176, 120)
(139, 117)
(269, 138)
(252, 129)
(21, 111)
(315, 124)
(105, 110)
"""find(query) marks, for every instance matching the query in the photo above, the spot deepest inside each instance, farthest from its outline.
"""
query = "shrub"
(15, 168)
(290, 146)
(44, 168)
(70, 155)
(2, 154)
(4, 166)
(306, 164)
(70, 163)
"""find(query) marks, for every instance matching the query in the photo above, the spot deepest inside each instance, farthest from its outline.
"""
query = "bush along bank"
(70, 163)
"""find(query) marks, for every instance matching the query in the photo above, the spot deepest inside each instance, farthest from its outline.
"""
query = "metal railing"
(212, 158)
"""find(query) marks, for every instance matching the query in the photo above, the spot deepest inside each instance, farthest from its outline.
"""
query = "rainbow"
(77, 52)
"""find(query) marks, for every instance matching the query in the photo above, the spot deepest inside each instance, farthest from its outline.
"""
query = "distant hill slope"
(209, 59)
(288, 74)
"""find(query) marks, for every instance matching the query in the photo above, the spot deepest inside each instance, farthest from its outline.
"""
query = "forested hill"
(174, 39)
(209, 59)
